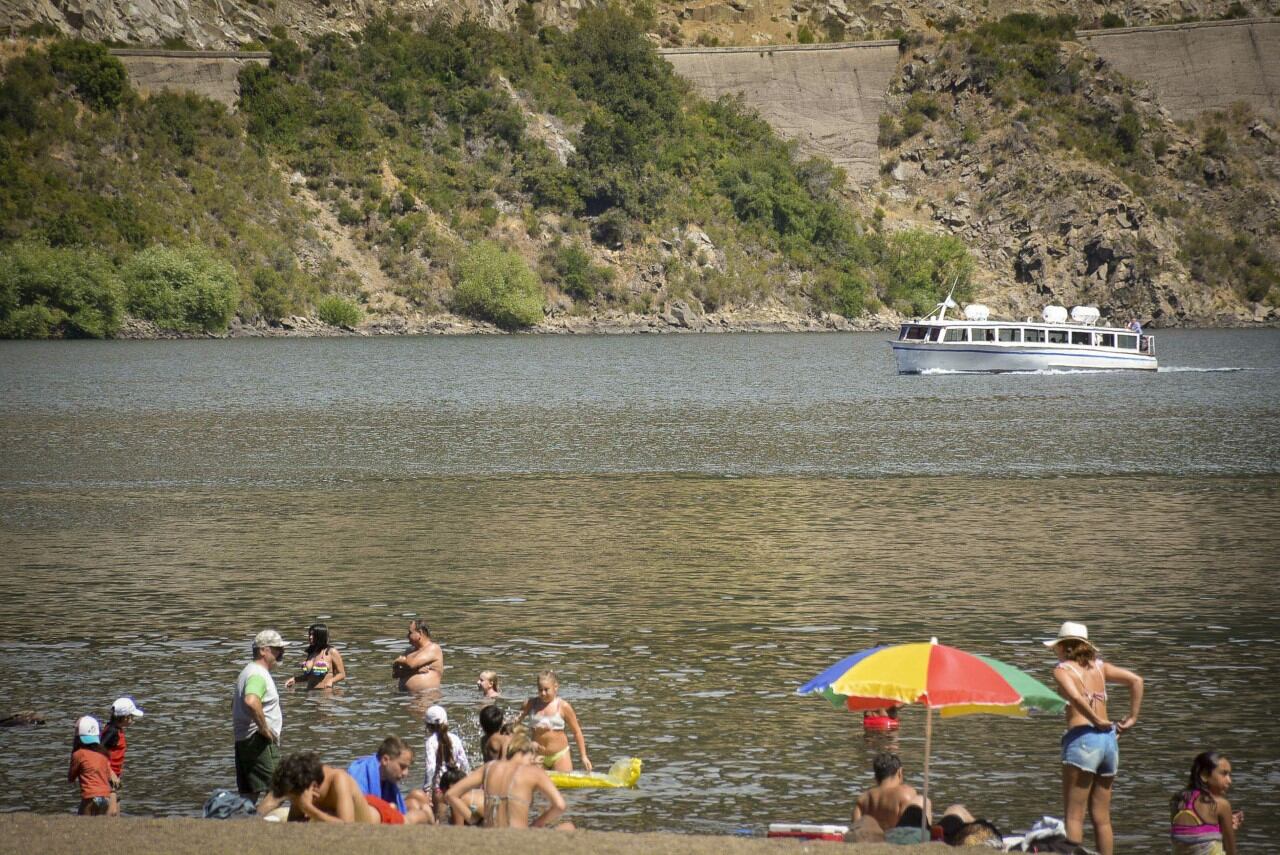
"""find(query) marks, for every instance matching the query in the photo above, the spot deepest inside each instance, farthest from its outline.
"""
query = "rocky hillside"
(1064, 181)
(225, 24)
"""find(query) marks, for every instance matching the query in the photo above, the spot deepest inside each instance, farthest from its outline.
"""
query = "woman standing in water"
(422, 667)
(323, 666)
(1090, 750)
(548, 714)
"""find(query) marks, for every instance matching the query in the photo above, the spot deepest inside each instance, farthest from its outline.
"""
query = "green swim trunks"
(256, 759)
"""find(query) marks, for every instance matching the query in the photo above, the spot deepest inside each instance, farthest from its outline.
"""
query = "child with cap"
(123, 712)
(91, 769)
(443, 751)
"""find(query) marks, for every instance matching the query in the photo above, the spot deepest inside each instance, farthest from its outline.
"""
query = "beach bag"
(225, 804)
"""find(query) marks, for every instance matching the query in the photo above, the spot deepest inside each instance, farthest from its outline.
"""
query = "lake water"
(685, 528)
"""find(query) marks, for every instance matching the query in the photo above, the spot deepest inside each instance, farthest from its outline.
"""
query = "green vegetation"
(47, 291)
(182, 289)
(339, 311)
(496, 285)
(1236, 261)
(412, 139)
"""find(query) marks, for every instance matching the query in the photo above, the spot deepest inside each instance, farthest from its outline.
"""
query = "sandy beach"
(51, 835)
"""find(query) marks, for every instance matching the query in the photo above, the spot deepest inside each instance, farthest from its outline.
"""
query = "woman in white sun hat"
(1090, 751)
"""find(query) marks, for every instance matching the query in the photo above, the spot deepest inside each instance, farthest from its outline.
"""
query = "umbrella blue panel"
(835, 672)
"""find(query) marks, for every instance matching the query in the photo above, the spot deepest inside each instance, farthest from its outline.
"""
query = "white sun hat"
(1071, 631)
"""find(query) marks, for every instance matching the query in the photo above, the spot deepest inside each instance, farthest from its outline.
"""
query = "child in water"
(1201, 821)
(549, 714)
(92, 771)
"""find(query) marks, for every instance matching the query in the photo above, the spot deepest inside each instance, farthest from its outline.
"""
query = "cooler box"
(804, 831)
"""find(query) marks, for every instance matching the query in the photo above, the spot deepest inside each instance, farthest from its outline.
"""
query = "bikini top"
(317, 667)
(496, 812)
(1091, 697)
(547, 721)
(1197, 829)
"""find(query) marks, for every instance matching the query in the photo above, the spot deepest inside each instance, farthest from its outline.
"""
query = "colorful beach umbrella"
(936, 676)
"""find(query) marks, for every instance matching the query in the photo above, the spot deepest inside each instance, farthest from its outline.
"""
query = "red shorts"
(387, 812)
(879, 722)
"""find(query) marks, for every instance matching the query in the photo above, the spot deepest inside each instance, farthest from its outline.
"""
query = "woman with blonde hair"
(548, 715)
(509, 786)
(1090, 750)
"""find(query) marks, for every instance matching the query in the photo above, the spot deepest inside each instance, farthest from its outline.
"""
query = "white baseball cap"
(437, 715)
(1071, 631)
(125, 706)
(87, 729)
(269, 638)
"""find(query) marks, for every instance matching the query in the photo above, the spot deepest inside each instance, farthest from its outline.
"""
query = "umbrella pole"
(928, 744)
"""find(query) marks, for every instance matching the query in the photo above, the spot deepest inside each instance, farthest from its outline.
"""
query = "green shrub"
(183, 289)
(918, 266)
(47, 291)
(576, 275)
(804, 35)
(496, 285)
(1110, 20)
(98, 77)
(338, 311)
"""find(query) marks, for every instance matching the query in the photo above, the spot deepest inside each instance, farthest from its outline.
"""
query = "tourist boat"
(1059, 342)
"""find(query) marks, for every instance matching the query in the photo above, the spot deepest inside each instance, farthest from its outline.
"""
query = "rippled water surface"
(685, 528)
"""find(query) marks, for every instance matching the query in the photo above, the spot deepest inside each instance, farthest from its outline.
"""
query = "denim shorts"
(1092, 749)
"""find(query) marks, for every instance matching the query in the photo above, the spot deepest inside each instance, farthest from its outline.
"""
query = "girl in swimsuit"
(423, 666)
(548, 714)
(1090, 751)
(509, 786)
(1201, 821)
(322, 664)
(487, 685)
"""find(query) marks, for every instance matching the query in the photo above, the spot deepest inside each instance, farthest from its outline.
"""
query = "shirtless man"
(886, 801)
(508, 787)
(423, 666)
(323, 793)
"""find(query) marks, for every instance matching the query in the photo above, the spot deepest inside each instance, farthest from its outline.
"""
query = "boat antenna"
(948, 303)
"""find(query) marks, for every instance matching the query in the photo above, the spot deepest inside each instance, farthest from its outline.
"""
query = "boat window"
(956, 334)
(935, 333)
(1033, 335)
(915, 333)
(1078, 337)
(983, 334)
(1057, 336)
(1107, 339)
(1006, 334)
(1128, 342)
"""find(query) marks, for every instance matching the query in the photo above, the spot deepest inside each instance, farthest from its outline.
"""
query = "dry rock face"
(826, 97)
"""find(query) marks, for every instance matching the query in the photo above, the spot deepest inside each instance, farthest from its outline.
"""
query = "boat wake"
(1189, 369)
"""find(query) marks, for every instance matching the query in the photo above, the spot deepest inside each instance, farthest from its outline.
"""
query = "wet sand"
(52, 835)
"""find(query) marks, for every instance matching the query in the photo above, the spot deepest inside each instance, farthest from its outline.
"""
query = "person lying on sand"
(323, 793)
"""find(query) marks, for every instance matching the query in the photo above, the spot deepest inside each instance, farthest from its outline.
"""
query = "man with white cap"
(255, 715)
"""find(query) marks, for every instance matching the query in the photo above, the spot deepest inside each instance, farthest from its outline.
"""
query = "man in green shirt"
(255, 715)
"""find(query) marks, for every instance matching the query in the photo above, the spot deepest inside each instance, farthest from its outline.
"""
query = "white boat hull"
(971, 357)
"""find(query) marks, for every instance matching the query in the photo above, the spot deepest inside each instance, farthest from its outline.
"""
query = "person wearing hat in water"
(256, 717)
(123, 712)
(1090, 750)
(92, 771)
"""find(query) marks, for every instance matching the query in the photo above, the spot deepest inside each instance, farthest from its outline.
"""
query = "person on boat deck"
(379, 774)
(890, 797)
(321, 793)
(1090, 749)
(322, 664)
(1135, 326)
(548, 715)
(1201, 821)
(509, 786)
(423, 666)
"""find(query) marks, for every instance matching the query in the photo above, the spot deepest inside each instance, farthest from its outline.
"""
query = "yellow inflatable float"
(623, 773)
